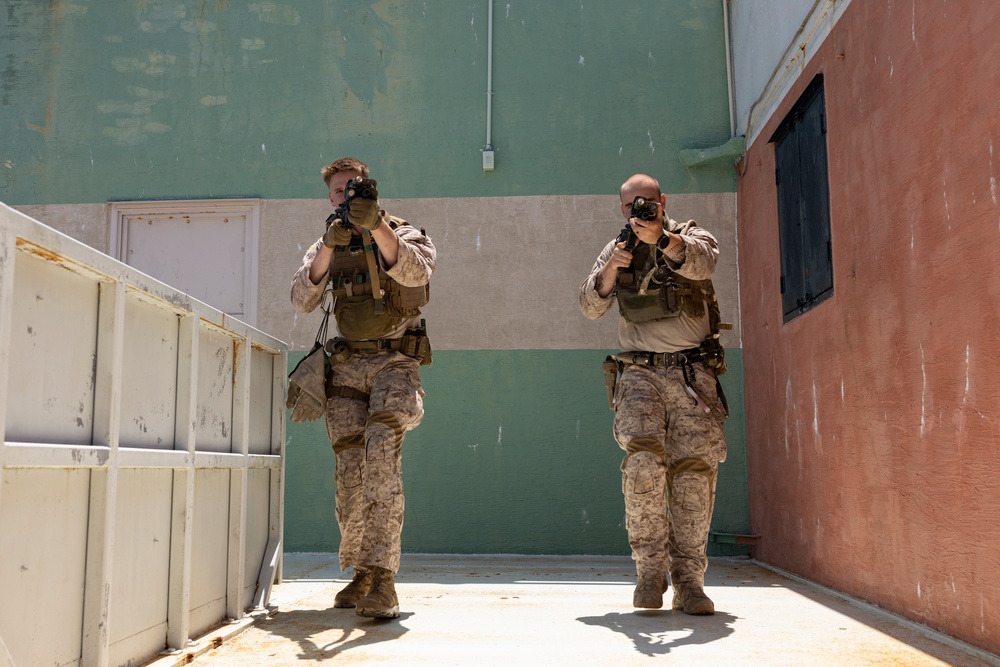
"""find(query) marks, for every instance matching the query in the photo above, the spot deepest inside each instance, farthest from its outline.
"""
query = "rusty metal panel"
(150, 370)
(261, 397)
(209, 549)
(54, 330)
(129, 500)
(214, 414)
(257, 533)
(43, 533)
(141, 563)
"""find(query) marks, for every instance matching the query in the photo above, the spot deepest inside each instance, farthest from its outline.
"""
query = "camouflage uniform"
(367, 436)
(673, 447)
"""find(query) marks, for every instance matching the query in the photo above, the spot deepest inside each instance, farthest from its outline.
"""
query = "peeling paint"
(993, 178)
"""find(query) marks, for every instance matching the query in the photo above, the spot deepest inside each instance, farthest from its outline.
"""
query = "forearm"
(306, 294)
(320, 264)
(594, 303)
(388, 243)
(605, 280)
(696, 257)
(416, 257)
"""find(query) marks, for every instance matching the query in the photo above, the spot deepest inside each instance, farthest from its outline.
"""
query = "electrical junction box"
(488, 160)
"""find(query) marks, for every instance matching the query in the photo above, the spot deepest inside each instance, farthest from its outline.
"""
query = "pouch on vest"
(416, 344)
(357, 319)
(659, 301)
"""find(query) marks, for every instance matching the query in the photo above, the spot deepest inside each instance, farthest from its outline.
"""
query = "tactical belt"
(414, 343)
(682, 358)
(374, 346)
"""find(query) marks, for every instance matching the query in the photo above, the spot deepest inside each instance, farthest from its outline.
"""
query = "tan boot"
(691, 599)
(357, 589)
(649, 590)
(381, 601)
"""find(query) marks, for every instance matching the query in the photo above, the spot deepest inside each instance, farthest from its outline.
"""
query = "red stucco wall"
(873, 421)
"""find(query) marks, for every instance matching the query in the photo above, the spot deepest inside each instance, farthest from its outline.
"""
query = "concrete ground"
(544, 610)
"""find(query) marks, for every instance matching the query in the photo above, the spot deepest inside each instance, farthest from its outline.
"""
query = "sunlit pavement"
(555, 610)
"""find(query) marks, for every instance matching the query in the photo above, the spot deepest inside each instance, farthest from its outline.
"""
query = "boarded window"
(804, 204)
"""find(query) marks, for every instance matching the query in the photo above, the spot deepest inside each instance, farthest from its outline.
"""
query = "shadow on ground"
(659, 632)
(323, 634)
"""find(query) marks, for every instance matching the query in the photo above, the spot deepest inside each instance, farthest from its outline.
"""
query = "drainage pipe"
(489, 81)
(729, 70)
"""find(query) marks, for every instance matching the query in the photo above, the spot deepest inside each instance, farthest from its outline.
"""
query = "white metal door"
(206, 249)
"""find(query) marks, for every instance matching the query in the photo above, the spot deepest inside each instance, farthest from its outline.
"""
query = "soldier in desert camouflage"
(669, 406)
(376, 268)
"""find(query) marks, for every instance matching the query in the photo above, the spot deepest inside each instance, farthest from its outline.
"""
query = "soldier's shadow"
(659, 632)
(323, 634)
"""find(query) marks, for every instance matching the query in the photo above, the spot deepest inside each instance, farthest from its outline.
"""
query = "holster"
(416, 344)
(611, 367)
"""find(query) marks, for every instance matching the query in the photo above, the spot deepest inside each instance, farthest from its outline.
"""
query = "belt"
(681, 358)
(374, 346)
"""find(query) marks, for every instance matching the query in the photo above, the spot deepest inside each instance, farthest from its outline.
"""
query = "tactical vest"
(649, 291)
(360, 314)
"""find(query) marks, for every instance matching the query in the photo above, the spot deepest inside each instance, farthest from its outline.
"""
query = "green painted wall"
(139, 99)
(515, 455)
(143, 99)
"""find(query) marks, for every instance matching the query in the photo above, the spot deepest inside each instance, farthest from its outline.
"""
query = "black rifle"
(644, 209)
(356, 188)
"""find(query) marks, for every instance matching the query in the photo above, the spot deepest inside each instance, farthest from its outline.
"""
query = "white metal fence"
(141, 466)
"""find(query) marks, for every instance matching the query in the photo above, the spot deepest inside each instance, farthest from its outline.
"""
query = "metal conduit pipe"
(729, 71)
(488, 149)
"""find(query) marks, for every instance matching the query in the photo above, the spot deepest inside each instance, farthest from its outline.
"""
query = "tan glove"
(307, 387)
(336, 234)
(305, 407)
(365, 213)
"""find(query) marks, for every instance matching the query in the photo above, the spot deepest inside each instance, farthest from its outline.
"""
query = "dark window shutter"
(802, 185)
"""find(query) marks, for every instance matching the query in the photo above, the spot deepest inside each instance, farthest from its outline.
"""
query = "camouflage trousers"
(673, 450)
(367, 440)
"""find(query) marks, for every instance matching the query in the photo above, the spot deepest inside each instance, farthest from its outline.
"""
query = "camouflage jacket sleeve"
(305, 295)
(700, 252)
(592, 305)
(417, 258)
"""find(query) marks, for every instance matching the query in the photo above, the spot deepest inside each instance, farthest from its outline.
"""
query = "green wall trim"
(515, 455)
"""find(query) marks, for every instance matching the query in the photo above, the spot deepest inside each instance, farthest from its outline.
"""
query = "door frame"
(250, 208)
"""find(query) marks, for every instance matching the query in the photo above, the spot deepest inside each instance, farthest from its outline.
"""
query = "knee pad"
(691, 483)
(642, 473)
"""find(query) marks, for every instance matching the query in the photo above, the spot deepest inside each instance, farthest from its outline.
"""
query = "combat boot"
(691, 599)
(649, 590)
(357, 589)
(381, 601)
